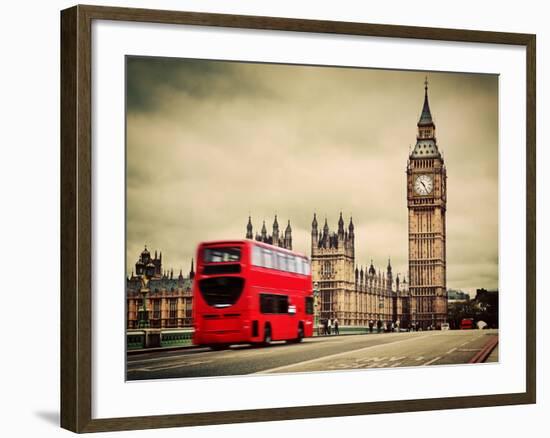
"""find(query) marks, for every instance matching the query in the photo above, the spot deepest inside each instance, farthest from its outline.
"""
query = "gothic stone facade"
(169, 299)
(355, 296)
(427, 204)
(276, 239)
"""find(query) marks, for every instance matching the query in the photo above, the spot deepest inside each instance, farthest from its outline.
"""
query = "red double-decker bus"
(250, 292)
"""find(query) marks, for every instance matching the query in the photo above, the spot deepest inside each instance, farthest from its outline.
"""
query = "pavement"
(318, 354)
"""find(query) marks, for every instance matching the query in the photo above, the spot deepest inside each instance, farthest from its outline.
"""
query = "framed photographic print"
(269, 218)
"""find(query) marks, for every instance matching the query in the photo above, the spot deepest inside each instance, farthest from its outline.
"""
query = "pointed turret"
(288, 236)
(372, 271)
(341, 227)
(351, 229)
(249, 234)
(389, 276)
(314, 231)
(426, 144)
(275, 234)
(145, 255)
(426, 115)
(264, 232)
(192, 271)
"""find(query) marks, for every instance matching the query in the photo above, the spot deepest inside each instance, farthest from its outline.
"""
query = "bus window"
(299, 265)
(270, 303)
(299, 268)
(307, 267)
(221, 291)
(282, 304)
(291, 263)
(268, 258)
(219, 255)
(282, 261)
(275, 260)
(256, 256)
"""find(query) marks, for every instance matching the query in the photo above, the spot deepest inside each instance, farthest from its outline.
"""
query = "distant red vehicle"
(250, 292)
(466, 324)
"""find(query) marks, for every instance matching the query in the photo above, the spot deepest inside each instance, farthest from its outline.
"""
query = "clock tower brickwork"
(427, 205)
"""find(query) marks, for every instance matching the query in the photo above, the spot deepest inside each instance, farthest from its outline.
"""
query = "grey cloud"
(211, 142)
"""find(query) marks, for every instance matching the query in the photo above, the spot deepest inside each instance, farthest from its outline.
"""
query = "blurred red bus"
(466, 324)
(250, 292)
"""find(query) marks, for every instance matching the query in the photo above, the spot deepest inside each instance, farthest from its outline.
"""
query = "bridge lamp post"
(145, 276)
(316, 305)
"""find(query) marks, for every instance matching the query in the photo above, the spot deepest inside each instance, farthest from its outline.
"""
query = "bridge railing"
(135, 339)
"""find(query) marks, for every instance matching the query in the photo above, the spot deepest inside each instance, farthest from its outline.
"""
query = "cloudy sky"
(210, 143)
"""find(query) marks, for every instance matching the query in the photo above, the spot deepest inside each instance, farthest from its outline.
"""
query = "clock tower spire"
(427, 205)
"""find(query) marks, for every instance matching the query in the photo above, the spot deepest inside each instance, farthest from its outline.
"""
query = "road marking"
(332, 356)
(451, 350)
(157, 359)
(378, 365)
(432, 361)
(168, 367)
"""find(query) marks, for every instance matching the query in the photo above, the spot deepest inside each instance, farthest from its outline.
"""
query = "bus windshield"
(221, 291)
(220, 255)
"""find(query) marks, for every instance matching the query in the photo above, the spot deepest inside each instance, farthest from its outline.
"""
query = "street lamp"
(316, 305)
(146, 273)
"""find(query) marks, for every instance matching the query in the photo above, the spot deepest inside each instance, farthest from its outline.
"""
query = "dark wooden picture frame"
(76, 218)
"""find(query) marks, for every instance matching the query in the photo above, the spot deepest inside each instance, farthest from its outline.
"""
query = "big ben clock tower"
(427, 204)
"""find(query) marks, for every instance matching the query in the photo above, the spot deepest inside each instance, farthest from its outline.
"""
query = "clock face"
(423, 185)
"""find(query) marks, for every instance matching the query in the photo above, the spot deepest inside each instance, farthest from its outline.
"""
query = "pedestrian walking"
(329, 327)
(371, 325)
(336, 327)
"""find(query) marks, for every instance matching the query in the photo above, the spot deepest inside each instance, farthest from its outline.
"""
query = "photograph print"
(299, 218)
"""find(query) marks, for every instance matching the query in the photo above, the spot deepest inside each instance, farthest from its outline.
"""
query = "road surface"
(317, 354)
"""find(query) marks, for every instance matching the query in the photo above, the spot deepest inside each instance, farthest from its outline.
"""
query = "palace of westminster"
(355, 296)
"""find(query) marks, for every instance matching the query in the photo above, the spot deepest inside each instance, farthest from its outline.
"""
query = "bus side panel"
(284, 326)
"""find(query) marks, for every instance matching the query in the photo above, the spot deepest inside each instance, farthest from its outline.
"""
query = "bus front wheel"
(299, 335)
(267, 335)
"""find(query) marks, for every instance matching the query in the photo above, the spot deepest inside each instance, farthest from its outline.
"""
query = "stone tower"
(427, 205)
(332, 268)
